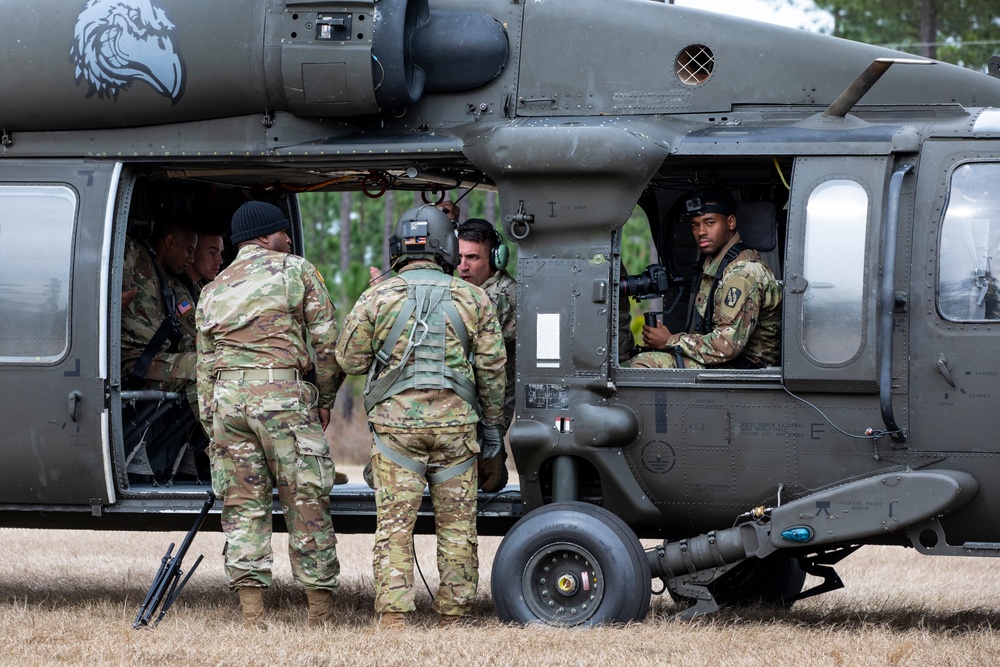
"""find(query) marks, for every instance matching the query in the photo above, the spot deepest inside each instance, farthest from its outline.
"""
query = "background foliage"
(345, 233)
(963, 32)
(343, 251)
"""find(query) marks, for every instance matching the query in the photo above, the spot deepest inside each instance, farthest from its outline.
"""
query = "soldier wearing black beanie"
(255, 219)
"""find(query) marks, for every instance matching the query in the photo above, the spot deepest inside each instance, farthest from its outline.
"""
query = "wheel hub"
(563, 584)
(567, 584)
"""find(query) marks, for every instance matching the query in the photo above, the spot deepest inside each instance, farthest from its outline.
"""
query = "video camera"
(651, 283)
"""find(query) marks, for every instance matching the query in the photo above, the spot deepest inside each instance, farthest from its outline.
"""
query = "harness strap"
(456, 321)
(443, 474)
(427, 291)
(382, 388)
(704, 324)
(152, 347)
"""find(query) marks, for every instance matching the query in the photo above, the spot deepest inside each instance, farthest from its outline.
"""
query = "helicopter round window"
(694, 64)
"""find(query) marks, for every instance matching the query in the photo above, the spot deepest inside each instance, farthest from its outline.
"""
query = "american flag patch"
(183, 306)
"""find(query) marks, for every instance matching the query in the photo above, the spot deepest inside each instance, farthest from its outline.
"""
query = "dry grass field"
(69, 597)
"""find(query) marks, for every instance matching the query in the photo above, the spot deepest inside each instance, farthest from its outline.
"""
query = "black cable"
(870, 434)
(413, 545)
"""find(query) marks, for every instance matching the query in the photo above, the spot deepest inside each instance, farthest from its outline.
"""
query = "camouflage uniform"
(502, 290)
(429, 426)
(746, 322)
(172, 370)
(189, 291)
(270, 310)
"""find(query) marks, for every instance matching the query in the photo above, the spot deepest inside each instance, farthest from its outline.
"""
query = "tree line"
(962, 32)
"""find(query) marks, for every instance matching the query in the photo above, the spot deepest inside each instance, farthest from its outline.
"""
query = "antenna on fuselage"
(860, 87)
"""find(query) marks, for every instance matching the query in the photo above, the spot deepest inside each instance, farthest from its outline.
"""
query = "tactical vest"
(428, 303)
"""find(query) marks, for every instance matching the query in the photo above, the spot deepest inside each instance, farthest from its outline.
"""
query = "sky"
(789, 13)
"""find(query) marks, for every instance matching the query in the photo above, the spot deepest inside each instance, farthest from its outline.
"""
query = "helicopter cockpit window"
(834, 269)
(968, 288)
(36, 243)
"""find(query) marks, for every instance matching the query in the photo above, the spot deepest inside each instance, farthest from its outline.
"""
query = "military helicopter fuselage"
(864, 176)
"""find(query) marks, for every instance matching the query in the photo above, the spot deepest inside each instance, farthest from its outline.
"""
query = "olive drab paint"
(864, 179)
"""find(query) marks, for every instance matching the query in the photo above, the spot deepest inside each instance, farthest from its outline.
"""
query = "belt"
(260, 374)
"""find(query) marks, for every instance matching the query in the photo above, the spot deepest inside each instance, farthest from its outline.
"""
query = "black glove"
(491, 444)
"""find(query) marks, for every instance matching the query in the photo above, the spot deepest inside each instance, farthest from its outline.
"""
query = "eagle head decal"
(117, 42)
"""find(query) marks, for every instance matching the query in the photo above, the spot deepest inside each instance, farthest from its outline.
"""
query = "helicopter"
(864, 176)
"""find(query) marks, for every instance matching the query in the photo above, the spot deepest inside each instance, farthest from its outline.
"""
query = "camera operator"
(737, 315)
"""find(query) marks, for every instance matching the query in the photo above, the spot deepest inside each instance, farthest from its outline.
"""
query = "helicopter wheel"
(569, 564)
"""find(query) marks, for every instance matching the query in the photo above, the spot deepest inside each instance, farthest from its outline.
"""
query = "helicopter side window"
(968, 288)
(834, 269)
(35, 275)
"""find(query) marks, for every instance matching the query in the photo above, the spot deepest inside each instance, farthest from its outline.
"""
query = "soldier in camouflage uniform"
(156, 352)
(737, 314)
(150, 272)
(203, 269)
(415, 334)
(482, 262)
(259, 323)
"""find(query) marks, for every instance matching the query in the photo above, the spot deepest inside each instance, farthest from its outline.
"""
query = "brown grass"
(69, 597)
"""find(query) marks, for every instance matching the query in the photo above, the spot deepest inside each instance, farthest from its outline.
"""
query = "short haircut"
(478, 230)
(164, 228)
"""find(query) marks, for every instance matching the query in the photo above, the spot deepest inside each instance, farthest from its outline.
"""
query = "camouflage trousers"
(172, 371)
(267, 435)
(662, 360)
(398, 493)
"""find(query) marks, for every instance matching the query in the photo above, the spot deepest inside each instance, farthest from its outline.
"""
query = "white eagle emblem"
(117, 42)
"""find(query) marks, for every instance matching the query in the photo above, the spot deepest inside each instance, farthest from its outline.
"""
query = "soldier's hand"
(655, 336)
(324, 417)
(377, 276)
(492, 444)
(128, 295)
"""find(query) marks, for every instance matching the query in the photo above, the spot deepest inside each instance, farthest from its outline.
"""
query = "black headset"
(499, 256)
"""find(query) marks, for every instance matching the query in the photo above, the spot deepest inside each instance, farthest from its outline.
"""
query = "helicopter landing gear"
(568, 564)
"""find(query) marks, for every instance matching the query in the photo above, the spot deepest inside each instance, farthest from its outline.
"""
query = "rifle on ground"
(167, 584)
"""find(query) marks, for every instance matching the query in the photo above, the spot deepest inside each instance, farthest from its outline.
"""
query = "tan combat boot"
(448, 621)
(320, 607)
(392, 620)
(252, 601)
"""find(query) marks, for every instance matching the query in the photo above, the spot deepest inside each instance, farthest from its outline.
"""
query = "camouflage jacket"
(190, 291)
(146, 313)
(502, 290)
(368, 326)
(747, 313)
(267, 310)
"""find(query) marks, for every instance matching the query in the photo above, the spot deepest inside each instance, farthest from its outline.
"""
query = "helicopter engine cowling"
(123, 63)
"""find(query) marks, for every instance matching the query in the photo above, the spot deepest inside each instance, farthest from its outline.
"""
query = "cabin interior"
(208, 195)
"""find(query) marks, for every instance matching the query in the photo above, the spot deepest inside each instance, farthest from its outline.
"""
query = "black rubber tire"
(774, 580)
(571, 564)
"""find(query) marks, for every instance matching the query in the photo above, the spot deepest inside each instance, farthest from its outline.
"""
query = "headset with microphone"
(499, 255)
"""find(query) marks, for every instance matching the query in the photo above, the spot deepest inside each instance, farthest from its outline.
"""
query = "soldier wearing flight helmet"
(433, 351)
